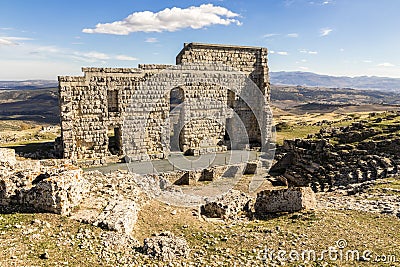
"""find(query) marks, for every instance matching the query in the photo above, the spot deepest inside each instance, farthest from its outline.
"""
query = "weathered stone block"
(119, 215)
(58, 194)
(285, 200)
(7, 157)
(228, 205)
(183, 179)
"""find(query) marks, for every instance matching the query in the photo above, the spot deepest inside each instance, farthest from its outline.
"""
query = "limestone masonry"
(136, 113)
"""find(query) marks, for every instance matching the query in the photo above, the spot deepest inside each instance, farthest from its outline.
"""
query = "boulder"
(45, 188)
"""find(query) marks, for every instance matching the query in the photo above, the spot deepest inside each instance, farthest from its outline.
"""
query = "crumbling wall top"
(154, 66)
(189, 46)
(111, 70)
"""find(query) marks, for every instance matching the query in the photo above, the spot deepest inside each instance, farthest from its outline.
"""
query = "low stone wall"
(285, 200)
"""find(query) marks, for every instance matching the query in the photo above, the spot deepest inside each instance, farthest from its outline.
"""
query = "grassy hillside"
(40, 105)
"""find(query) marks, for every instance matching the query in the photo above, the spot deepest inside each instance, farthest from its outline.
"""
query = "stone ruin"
(112, 201)
(113, 114)
(47, 185)
(339, 156)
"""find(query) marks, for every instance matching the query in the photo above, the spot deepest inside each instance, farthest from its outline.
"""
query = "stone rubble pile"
(119, 216)
(57, 189)
(166, 246)
(230, 205)
(363, 197)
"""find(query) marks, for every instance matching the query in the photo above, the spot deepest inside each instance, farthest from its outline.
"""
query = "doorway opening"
(114, 140)
(176, 115)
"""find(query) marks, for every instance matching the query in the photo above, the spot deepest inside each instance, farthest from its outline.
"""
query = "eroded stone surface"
(7, 157)
(119, 215)
(228, 205)
(285, 200)
(57, 188)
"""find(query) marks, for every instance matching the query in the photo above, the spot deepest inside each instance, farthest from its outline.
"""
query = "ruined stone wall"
(86, 118)
(121, 102)
(251, 61)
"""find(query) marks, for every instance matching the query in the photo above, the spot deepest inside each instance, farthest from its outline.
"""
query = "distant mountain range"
(312, 79)
(28, 84)
(278, 78)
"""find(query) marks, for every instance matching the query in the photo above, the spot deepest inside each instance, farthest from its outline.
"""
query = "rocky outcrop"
(285, 200)
(165, 246)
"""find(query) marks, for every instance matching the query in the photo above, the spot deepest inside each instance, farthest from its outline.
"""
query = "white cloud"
(386, 64)
(8, 40)
(125, 58)
(306, 51)
(48, 49)
(288, 3)
(268, 35)
(325, 31)
(304, 68)
(293, 35)
(367, 61)
(151, 40)
(93, 55)
(282, 53)
(52, 52)
(169, 19)
(321, 3)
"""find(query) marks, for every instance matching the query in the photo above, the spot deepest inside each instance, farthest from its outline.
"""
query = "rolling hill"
(312, 79)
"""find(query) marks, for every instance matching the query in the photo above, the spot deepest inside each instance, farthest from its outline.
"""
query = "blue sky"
(42, 39)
